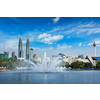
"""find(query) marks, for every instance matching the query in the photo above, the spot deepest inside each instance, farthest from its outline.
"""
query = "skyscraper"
(28, 49)
(31, 53)
(20, 49)
(13, 54)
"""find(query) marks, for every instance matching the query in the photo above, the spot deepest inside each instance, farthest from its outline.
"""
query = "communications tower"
(94, 44)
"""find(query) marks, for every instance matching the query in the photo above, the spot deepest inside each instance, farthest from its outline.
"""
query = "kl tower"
(94, 47)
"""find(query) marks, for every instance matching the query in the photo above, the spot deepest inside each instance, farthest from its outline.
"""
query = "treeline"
(12, 63)
(82, 65)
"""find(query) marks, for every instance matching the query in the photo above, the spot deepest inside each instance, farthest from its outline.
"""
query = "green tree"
(78, 64)
(87, 64)
(4, 64)
(1, 62)
(73, 65)
(98, 65)
(67, 65)
(12, 65)
(15, 59)
(35, 62)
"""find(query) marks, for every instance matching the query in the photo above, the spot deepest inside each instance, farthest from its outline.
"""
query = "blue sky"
(69, 35)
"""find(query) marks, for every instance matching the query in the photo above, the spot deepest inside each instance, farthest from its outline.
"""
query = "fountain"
(47, 67)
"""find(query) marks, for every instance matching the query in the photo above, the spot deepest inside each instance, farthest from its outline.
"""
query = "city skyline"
(69, 35)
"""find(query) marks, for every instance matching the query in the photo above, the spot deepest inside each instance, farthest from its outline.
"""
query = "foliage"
(78, 64)
(12, 65)
(4, 64)
(1, 62)
(35, 62)
(67, 65)
(98, 65)
(87, 64)
(15, 59)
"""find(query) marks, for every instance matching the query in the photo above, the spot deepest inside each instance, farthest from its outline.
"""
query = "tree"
(4, 64)
(15, 59)
(73, 65)
(12, 65)
(87, 64)
(35, 62)
(67, 65)
(78, 64)
(1, 62)
(98, 65)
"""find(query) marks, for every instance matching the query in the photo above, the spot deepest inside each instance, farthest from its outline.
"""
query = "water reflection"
(21, 77)
(28, 77)
(70, 77)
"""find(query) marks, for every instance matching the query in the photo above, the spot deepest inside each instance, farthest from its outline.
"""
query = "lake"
(68, 77)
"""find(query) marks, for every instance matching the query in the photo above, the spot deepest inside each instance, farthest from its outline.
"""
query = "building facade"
(4, 56)
(34, 57)
(81, 56)
(31, 53)
(28, 49)
(20, 49)
(13, 54)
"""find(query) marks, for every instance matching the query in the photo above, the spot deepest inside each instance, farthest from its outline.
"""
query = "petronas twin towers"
(20, 49)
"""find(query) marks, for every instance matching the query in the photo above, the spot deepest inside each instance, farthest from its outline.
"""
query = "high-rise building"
(69, 59)
(4, 56)
(13, 54)
(31, 53)
(81, 56)
(28, 49)
(20, 49)
(34, 57)
(7, 53)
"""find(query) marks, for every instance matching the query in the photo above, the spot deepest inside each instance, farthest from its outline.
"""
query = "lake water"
(68, 77)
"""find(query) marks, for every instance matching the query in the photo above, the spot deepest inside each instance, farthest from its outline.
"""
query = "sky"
(53, 35)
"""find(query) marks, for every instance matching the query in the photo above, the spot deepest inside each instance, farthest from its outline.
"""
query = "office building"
(34, 57)
(13, 54)
(4, 56)
(31, 54)
(28, 49)
(81, 56)
(20, 49)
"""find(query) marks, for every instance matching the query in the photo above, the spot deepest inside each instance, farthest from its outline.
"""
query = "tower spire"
(94, 47)
(28, 49)
(20, 49)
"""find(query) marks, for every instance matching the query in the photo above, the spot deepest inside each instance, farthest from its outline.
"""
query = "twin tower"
(20, 49)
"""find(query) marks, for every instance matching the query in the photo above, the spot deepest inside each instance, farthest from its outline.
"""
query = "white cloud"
(43, 35)
(52, 39)
(84, 45)
(80, 44)
(55, 20)
(70, 46)
(37, 48)
(97, 43)
(88, 28)
(90, 44)
(63, 47)
(47, 38)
